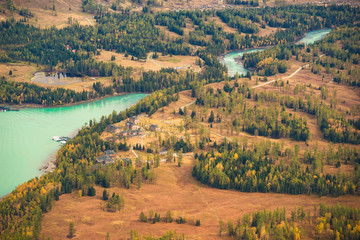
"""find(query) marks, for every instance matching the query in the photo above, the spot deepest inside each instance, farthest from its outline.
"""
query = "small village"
(133, 128)
(130, 129)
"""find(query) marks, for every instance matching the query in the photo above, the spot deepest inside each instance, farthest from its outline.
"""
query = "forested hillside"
(280, 121)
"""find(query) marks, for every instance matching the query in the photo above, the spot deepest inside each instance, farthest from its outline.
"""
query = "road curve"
(297, 70)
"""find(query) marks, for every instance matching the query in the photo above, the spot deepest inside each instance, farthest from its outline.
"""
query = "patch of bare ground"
(267, 30)
(120, 59)
(332, 170)
(46, 18)
(21, 72)
(175, 190)
(176, 4)
(176, 61)
(345, 95)
(273, 3)
(86, 83)
(316, 135)
(53, 13)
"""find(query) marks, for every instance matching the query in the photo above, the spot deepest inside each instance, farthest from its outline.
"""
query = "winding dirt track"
(297, 70)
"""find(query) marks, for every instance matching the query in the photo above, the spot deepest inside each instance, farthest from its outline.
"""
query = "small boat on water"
(5, 109)
(62, 140)
(55, 138)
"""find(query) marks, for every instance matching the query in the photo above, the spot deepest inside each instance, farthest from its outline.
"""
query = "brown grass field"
(346, 96)
(44, 16)
(191, 4)
(162, 61)
(267, 31)
(21, 72)
(175, 190)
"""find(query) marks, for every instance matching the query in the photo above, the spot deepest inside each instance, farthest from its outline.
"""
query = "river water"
(25, 136)
(234, 66)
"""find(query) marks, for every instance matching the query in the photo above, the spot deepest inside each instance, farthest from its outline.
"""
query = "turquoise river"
(235, 66)
(25, 136)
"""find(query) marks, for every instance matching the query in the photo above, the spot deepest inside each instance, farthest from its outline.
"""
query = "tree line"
(260, 120)
(327, 221)
(330, 121)
(232, 166)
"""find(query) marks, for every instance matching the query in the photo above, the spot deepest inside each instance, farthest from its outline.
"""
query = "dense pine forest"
(256, 168)
(335, 222)
(253, 170)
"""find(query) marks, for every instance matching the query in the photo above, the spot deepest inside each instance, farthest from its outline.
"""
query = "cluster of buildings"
(131, 129)
(180, 68)
(109, 156)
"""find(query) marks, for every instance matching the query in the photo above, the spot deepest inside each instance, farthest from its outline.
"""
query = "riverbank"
(26, 135)
(49, 164)
(297, 39)
(233, 59)
(32, 105)
(239, 59)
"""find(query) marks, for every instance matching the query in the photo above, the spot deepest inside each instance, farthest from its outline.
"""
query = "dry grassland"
(21, 72)
(175, 190)
(347, 96)
(44, 16)
(87, 83)
(267, 31)
(146, 65)
(188, 4)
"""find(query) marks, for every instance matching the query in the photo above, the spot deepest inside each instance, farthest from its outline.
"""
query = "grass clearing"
(188, 62)
(21, 72)
(175, 190)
